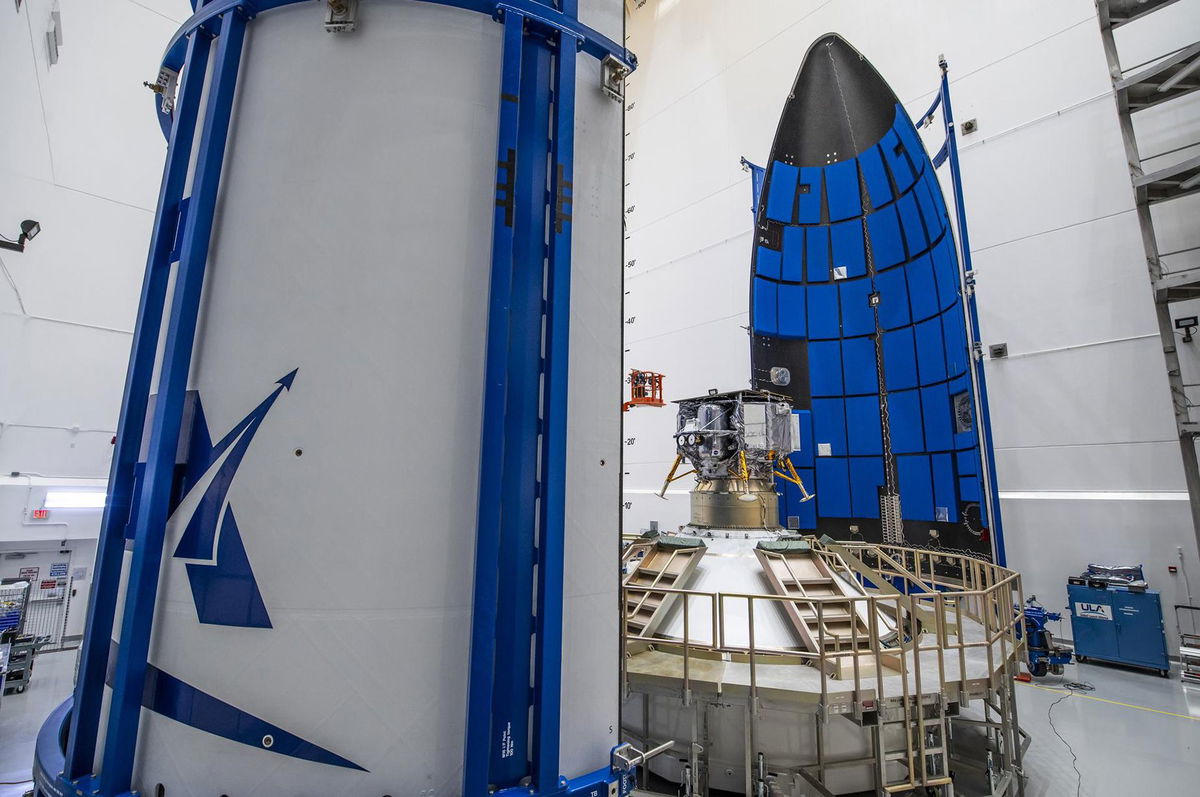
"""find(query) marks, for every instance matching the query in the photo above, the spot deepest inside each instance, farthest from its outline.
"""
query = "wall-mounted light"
(74, 499)
(1188, 324)
(29, 231)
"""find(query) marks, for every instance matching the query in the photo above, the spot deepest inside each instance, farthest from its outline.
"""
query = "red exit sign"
(41, 514)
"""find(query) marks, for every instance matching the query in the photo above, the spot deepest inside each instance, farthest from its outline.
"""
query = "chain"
(889, 506)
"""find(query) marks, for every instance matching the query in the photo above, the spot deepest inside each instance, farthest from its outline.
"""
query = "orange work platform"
(645, 390)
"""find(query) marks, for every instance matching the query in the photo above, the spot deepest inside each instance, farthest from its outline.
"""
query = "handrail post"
(687, 684)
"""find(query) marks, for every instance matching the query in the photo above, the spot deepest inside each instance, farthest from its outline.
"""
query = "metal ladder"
(925, 754)
(1166, 80)
(838, 625)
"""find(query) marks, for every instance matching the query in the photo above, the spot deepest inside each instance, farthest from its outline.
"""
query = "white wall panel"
(53, 451)
(1143, 466)
(103, 133)
(173, 10)
(710, 139)
(1019, 88)
(60, 363)
(1064, 170)
(704, 287)
(86, 266)
(702, 223)
(23, 146)
(50, 377)
(1079, 396)
(1077, 285)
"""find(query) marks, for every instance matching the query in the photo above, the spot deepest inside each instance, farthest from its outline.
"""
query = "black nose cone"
(839, 106)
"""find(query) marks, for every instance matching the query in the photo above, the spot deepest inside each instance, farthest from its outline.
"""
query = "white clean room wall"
(81, 152)
(1088, 462)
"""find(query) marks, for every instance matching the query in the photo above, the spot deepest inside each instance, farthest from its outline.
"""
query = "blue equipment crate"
(1118, 625)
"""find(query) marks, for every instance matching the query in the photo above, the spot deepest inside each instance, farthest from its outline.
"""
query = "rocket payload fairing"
(337, 581)
(857, 315)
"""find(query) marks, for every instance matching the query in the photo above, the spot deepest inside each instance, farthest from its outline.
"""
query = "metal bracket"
(625, 757)
(165, 86)
(612, 78)
(341, 16)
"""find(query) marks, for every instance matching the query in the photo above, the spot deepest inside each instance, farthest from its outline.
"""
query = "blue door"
(1140, 637)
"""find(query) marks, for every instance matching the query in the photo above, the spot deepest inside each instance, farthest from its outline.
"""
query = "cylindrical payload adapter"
(345, 422)
(735, 443)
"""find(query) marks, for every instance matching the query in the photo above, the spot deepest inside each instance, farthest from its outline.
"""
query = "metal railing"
(924, 604)
(942, 606)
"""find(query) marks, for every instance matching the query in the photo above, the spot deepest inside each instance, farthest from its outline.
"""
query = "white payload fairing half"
(349, 417)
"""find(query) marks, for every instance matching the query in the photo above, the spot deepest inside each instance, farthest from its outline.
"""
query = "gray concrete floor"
(21, 717)
(1136, 735)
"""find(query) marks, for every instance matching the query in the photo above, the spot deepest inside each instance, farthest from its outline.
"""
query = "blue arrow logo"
(219, 572)
(176, 699)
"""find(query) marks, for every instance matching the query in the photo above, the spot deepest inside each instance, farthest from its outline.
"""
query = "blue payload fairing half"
(857, 315)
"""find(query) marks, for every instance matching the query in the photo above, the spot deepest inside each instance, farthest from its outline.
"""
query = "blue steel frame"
(525, 398)
(93, 655)
(525, 175)
(548, 653)
(964, 248)
(154, 508)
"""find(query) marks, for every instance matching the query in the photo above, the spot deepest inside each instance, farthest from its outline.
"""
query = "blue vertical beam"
(519, 478)
(480, 687)
(137, 620)
(102, 601)
(985, 421)
(547, 695)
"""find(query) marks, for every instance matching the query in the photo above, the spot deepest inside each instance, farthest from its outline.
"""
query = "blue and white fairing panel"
(857, 313)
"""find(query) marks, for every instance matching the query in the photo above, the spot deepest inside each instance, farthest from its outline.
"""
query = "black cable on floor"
(1072, 687)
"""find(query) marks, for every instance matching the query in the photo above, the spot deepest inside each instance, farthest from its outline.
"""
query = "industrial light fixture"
(74, 499)
(1188, 324)
(29, 231)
